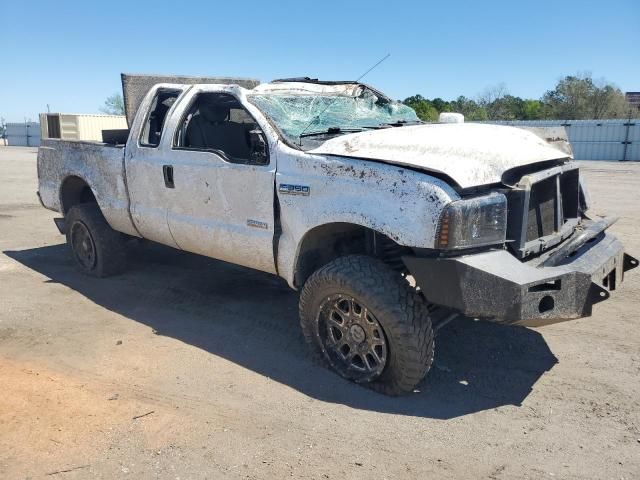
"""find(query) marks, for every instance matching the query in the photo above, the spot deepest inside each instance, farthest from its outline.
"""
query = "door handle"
(167, 172)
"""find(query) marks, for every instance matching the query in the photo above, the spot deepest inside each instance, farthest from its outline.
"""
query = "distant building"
(24, 134)
(73, 126)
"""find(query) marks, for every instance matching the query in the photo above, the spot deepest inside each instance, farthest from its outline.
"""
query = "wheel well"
(75, 191)
(325, 243)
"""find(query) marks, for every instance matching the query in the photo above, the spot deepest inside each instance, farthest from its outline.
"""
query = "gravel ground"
(186, 367)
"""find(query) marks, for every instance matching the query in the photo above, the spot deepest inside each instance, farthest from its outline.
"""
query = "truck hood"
(470, 154)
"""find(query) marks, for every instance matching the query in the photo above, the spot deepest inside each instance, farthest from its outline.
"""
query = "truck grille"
(543, 210)
(542, 215)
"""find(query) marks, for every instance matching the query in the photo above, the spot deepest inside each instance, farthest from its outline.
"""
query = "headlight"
(474, 222)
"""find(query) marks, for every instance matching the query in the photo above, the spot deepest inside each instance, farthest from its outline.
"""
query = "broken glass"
(297, 113)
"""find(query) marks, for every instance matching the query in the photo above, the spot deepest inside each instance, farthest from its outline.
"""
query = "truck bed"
(99, 165)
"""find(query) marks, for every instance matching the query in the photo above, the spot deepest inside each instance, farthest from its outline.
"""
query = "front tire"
(96, 248)
(365, 322)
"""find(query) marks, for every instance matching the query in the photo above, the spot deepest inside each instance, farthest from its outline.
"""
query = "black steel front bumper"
(497, 286)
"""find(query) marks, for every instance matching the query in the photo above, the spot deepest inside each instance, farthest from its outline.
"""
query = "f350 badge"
(289, 189)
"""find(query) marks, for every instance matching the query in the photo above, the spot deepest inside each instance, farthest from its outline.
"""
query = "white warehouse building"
(23, 134)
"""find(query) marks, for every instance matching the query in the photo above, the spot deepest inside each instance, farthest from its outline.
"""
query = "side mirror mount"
(259, 150)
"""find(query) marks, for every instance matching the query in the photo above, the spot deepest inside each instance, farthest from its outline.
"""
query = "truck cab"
(196, 180)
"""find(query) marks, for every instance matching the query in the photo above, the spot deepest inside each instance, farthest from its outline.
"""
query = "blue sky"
(70, 54)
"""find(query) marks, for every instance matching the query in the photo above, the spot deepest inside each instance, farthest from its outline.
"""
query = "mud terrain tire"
(96, 248)
(365, 284)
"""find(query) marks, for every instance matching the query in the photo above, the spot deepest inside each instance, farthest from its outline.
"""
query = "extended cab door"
(146, 165)
(221, 203)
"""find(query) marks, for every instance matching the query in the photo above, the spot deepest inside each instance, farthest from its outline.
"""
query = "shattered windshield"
(319, 117)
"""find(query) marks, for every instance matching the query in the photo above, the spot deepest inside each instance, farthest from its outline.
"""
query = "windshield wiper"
(338, 130)
(401, 123)
(331, 131)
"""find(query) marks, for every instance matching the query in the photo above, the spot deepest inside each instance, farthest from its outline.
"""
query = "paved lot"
(186, 367)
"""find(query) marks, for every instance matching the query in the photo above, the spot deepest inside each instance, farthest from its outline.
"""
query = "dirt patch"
(51, 421)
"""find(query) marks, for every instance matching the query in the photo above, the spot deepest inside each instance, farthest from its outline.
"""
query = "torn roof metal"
(136, 86)
(305, 88)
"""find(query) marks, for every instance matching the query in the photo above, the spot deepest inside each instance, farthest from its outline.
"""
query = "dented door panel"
(220, 209)
(223, 210)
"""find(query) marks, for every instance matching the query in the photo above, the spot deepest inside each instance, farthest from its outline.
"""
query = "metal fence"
(591, 139)
(595, 139)
(26, 134)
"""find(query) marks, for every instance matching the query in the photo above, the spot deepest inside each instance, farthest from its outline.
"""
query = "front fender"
(402, 204)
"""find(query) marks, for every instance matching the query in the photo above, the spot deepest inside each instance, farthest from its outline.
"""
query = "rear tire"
(96, 248)
(360, 302)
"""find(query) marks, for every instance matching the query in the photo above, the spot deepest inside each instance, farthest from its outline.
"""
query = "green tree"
(423, 107)
(489, 100)
(469, 108)
(574, 97)
(113, 105)
(428, 110)
(580, 97)
(532, 110)
(506, 107)
(440, 105)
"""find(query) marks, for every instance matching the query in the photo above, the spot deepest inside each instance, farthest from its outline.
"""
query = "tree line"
(574, 97)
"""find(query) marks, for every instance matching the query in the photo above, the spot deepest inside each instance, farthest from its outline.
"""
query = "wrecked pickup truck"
(385, 224)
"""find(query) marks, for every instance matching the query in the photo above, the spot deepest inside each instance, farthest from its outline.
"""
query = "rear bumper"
(495, 285)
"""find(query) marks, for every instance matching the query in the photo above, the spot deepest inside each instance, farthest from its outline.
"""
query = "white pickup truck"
(385, 224)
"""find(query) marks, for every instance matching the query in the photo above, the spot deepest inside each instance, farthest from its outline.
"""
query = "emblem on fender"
(289, 189)
(257, 224)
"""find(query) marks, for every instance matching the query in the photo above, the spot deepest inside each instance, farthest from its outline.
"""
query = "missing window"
(219, 123)
(160, 106)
